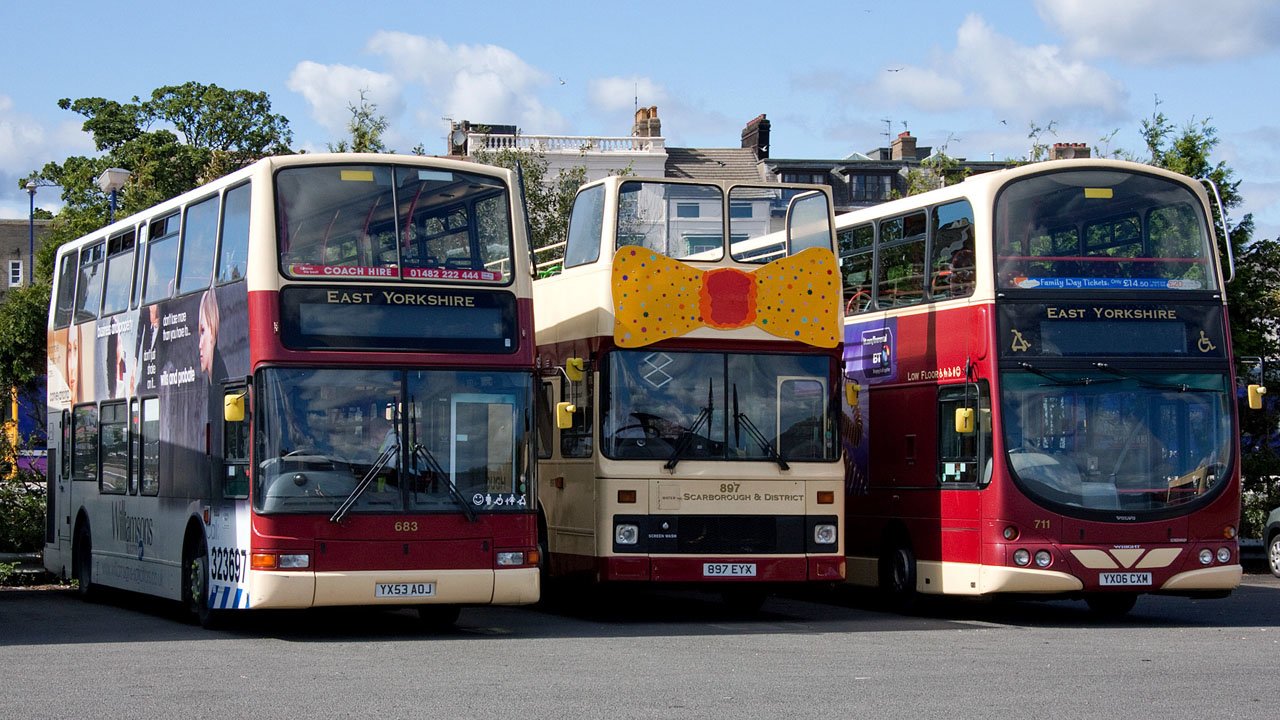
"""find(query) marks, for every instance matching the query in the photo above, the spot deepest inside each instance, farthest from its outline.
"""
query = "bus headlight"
(1043, 558)
(824, 534)
(510, 558)
(1224, 555)
(1206, 556)
(626, 534)
(1021, 557)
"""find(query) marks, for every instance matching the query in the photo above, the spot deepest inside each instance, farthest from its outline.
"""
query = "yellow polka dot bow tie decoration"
(656, 298)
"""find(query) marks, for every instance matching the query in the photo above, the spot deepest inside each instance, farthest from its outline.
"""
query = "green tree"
(203, 132)
(936, 171)
(548, 198)
(366, 127)
(1253, 297)
(179, 138)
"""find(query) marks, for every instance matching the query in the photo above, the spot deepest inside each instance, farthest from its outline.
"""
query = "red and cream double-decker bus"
(308, 383)
(691, 354)
(1046, 402)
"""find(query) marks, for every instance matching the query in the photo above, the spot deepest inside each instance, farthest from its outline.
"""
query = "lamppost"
(110, 181)
(31, 232)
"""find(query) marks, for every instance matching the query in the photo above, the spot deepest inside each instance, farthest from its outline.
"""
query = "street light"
(111, 180)
(31, 231)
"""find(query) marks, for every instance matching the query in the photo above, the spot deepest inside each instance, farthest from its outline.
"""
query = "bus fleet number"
(228, 564)
(730, 487)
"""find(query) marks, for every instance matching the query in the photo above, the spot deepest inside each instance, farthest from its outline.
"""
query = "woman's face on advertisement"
(207, 338)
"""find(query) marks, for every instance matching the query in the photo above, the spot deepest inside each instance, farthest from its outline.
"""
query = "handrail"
(564, 143)
(1226, 233)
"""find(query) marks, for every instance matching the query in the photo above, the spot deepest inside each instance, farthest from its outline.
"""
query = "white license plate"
(728, 569)
(396, 590)
(1124, 578)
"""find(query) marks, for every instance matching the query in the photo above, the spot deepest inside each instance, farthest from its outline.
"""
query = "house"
(17, 240)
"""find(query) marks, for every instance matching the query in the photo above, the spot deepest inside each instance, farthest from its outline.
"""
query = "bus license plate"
(1125, 578)
(728, 569)
(397, 590)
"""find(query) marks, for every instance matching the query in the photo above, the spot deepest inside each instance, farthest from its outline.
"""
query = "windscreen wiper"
(704, 415)
(1060, 382)
(420, 452)
(1175, 387)
(377, 466)
(741, 420)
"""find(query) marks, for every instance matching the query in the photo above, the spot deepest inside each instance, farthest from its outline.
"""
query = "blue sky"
(972, 76)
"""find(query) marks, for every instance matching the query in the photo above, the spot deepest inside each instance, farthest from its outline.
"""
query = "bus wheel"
(195, 583)
(898, 573)
(1111, 605)
(1273, 554)
(82, 565)
(438, 617)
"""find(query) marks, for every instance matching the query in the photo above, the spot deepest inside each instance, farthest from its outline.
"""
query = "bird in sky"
(897, 69)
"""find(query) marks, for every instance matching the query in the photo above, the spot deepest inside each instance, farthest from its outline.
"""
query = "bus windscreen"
(1100, 230)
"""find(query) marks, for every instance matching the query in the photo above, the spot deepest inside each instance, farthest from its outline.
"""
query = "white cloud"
(26, 145)
(1154, 31)
(612, 94)
(1018, 82)
(330, 90)
(480, 83)
(923, 88)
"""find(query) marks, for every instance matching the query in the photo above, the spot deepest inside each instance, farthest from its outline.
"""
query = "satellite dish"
(458, 137)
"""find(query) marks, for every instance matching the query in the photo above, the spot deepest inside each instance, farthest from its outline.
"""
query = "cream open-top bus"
(691, 359)
(307, 383)
(1047, 400)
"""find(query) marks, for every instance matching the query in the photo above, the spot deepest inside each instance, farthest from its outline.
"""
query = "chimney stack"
(647, 123)
(1068, 151)
(903, 147)
(755, 136)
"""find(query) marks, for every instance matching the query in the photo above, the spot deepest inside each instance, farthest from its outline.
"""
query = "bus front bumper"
(702, 569)
(277, 589)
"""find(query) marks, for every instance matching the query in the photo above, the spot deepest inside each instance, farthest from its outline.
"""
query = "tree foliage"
(179, 138)
(366, 127)
(548, 198)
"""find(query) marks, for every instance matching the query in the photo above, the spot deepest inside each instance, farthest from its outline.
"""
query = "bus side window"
(586, 223)
(199, 241)
(953, 251)
(575, 442)
(235, 447)
(233, 244)
(113, 449)
(856, 267)
(546, 420)
(964, 447)
(84, 443)
(901, 253)
(66, 294)
(89, 286)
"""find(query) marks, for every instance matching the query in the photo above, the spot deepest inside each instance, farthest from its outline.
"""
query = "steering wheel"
(848, 306)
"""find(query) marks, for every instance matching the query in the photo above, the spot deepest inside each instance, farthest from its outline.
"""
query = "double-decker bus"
(691, 356)
(309, 383)
(1045, 400)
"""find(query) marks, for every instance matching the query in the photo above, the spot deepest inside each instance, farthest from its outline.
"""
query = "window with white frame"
(15, 273)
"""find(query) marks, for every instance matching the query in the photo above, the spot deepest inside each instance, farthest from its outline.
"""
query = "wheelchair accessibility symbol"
(1204, 344)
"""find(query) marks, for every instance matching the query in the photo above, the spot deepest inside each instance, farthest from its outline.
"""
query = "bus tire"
(437, 618)
(898, 573)
(1111, 606)
(195, 581)
(1273, 554)
(82, 564)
